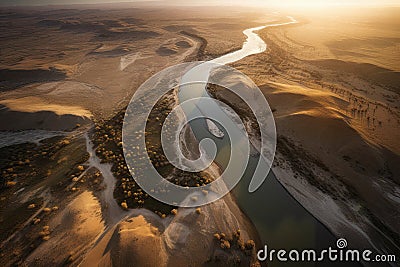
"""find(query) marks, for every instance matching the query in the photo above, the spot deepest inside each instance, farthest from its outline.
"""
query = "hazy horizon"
(207, 2)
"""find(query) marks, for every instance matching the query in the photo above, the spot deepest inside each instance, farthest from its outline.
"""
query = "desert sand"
(334, 90)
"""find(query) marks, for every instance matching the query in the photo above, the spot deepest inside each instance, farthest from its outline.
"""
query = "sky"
(210, 2)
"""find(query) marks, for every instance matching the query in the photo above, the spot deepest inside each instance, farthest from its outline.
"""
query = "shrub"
(124, 205)
(250, 244)
(81, 168)
(46, 209)
(217, 236)
(225, 244)
(11, 183)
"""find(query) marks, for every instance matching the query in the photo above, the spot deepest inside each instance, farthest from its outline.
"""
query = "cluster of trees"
(235, 241)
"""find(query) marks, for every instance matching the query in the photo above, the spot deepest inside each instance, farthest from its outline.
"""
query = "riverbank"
(333, 154)
(172, 227)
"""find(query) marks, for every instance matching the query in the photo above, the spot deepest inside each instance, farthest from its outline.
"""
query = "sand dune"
(186, 239)
(316, 119)
(134, 241)
(345, 162)
(33, 113)
(11, 120)
(369, 72)
(72, 232)
(12, 79)
(35, 104)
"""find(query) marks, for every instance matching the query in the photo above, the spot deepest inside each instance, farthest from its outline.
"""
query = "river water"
(280, 220)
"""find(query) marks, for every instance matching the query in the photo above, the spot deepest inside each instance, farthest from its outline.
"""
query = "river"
(281, 221)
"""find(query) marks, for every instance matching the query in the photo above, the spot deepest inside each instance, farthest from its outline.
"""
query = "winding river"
(280, 220)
